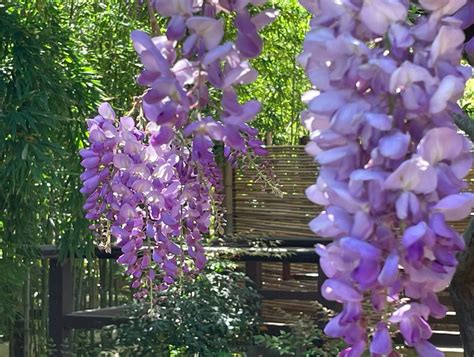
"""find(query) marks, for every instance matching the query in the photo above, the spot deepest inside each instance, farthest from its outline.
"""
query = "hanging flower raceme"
(181, 66)
(391, 164)
(153, 184)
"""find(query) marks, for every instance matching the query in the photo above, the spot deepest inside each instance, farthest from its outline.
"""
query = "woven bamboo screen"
(259, 213)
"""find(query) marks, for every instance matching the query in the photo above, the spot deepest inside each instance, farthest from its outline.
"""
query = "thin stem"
(155, 28)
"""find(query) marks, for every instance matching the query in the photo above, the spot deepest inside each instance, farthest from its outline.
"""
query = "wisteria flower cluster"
(466, 15)
(392, 163)
(152, 184)
(140, 194)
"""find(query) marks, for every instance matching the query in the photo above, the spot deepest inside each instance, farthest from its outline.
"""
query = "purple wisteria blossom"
(155, 205)
(391, 160)
(179, 88)
(152, 184)
(466, 15)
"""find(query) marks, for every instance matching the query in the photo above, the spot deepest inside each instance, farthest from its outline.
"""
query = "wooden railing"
(63, 319)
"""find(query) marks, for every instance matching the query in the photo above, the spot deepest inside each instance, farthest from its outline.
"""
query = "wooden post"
(111, 282)
(17, 340)
(229, 198)
(254, 271)
(102, 282)
(286, 270)
(60, 304)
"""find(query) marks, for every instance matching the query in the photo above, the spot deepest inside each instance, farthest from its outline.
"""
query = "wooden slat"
(289, 295)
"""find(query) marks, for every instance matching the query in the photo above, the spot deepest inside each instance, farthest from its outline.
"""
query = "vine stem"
(150, 251)
(155, 29)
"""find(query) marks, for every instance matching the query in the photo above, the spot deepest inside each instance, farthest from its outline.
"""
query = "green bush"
(303, 338)
(215, 314)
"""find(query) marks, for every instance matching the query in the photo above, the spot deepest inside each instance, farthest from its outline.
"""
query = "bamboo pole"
(27, 307)
(92, 295)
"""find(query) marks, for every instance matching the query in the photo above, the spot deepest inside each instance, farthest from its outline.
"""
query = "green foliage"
(467, 101)
(304, 338)
(216, 313)
(13, 275)
(281, 80)
(44, 96)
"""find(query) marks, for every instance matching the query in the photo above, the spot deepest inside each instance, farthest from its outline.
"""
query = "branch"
(155, 28)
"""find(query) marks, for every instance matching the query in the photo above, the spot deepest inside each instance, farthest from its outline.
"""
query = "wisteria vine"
(386, 80)
(153, 183)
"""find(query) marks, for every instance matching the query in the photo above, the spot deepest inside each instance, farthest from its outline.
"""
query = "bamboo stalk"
(111, 282)
(155, 28)
(44, 300)
(27, 308)
(102, 272)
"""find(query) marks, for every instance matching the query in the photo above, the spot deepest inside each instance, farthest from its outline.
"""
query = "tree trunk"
(462, 286)
(462, 292)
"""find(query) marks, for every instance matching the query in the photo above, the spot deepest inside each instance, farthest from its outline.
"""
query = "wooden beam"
(300, 257)
(253, 269)
(98, 318)
(229, 198)
(439, 338)
(60, 304)
(270, 294)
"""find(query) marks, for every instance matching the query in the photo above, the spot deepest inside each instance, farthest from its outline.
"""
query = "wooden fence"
(259, 213)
